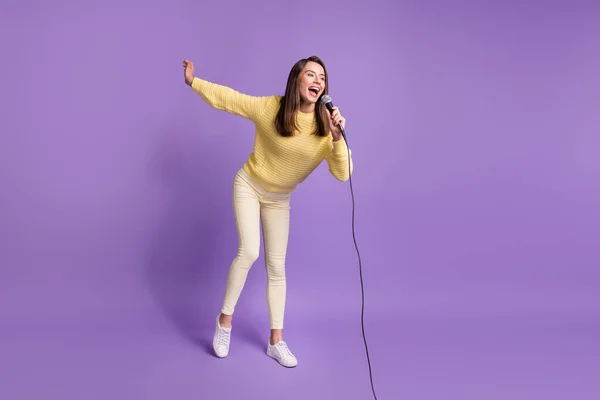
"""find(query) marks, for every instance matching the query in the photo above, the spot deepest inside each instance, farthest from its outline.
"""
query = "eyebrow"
(310, 70)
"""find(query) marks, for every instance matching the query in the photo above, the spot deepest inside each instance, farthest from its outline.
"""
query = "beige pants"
(253, 204)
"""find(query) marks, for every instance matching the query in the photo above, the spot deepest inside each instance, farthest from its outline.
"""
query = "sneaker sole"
(279, 362)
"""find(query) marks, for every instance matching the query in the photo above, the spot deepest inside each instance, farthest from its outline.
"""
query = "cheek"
(305, 83)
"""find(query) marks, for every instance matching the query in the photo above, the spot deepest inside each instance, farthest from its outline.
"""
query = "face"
(311, 82)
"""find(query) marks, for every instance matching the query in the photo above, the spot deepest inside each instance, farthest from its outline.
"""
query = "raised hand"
(188, 72)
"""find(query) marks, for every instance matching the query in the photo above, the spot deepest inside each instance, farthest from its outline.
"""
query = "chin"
(311, 98)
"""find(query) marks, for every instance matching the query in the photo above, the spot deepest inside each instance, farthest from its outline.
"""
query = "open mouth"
(314, 91)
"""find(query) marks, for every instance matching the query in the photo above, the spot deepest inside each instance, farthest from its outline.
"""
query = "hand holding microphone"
(337, 123)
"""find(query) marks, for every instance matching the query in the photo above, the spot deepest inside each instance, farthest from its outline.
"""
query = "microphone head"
(326, 99)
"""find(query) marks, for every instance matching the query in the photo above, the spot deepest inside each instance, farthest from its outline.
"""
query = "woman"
(294, 134)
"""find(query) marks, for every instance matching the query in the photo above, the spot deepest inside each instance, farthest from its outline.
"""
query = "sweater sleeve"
(226, 99)
(338, 158)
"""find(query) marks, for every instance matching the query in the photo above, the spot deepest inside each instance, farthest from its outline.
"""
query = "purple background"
(474, 127)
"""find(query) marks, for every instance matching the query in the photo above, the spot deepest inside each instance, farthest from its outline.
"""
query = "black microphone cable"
(327, 100)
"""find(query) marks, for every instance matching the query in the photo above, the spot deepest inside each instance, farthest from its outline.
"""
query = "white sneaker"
(221, 340)
(282, 354)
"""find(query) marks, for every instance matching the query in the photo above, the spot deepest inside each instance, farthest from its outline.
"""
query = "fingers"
(188, 71)
(336, 117)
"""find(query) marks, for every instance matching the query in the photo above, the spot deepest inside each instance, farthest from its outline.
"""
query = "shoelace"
(223, 338)
(284, 351)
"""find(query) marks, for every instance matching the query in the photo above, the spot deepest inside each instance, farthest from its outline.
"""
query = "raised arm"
(224, 98)
(337, 160)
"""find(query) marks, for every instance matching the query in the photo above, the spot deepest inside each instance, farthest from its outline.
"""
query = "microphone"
(326, 100)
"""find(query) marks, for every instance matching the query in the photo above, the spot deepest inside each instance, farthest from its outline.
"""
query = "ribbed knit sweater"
(278, 163)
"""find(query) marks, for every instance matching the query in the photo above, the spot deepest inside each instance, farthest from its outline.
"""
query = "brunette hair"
(285, 121)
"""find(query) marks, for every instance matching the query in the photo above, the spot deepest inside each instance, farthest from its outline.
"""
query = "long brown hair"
(285, 121)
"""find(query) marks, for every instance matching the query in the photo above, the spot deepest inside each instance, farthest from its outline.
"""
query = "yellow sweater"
(278, 163)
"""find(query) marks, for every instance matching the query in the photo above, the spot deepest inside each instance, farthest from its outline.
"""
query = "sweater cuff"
(340, 148)
(197, 83)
